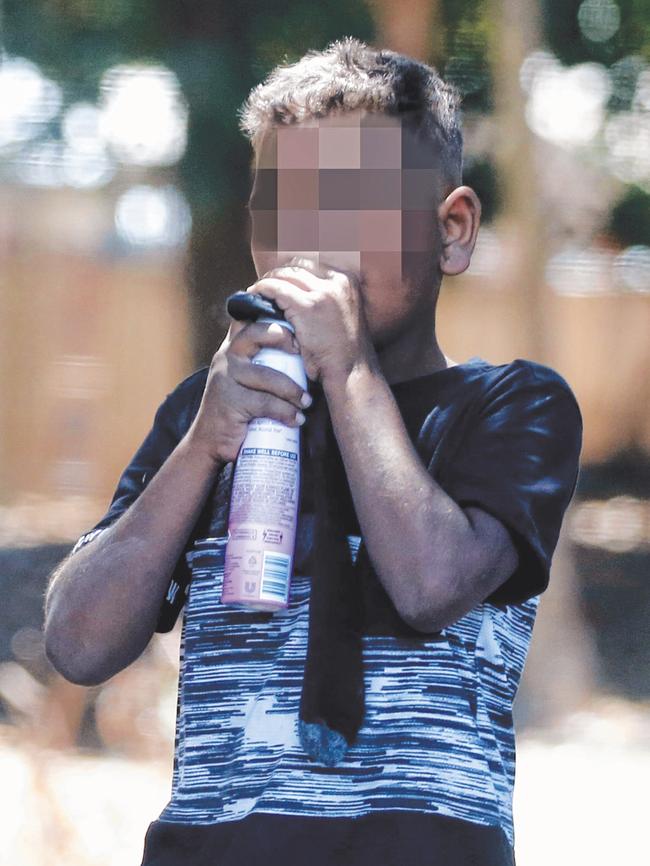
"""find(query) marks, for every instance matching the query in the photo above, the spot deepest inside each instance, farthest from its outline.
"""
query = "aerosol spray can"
(266, 486)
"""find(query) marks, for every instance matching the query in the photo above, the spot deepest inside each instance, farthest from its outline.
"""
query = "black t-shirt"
(511, 446)
(505, 438)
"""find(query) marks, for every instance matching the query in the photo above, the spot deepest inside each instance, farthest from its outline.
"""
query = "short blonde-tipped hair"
(349, 75)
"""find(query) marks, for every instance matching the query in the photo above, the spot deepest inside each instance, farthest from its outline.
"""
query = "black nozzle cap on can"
(252, 306)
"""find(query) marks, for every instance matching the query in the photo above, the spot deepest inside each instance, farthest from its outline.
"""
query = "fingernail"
(306, 400)
(300, 418)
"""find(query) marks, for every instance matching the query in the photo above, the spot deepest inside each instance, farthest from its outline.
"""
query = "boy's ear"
(459, 218)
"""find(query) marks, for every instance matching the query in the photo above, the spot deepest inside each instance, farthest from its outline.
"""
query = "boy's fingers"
(265, 379)
(255, 335)
(235, 327)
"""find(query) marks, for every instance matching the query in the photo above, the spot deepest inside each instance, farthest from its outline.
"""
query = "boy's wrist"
(365, 364)
(342, 383)
(194, 447)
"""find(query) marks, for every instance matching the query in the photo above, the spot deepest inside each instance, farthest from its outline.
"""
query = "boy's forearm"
(412, 529)
(103, 603)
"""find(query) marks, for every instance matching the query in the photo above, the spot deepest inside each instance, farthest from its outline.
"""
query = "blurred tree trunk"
(515, 32)
(412, 27)
(219, 263)
(560, 672)
(212, 53)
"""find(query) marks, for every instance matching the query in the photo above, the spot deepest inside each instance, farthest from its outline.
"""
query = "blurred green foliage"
(629, 221)
(219, 50)
(565, 39)
(465, 62)
(481, 175)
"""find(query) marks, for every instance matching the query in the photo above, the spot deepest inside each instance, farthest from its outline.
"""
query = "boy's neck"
(410, 357)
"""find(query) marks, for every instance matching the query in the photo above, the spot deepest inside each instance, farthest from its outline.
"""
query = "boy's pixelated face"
(354, 191)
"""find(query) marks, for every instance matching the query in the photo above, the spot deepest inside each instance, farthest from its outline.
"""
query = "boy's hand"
(238, 390)
(325, 306)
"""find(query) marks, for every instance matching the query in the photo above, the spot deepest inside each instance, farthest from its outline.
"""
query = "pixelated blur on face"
(354, 191)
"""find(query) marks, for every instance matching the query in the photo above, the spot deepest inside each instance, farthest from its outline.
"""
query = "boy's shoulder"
(518, 373)
(188, 389)
(180, 406)
(192, 383)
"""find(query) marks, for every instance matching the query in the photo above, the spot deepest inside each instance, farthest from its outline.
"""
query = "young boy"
(459, 475)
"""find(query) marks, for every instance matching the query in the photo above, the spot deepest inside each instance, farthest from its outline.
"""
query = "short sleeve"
(171, 421)
(519, 461)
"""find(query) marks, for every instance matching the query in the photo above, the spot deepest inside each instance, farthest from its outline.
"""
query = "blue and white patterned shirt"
(437, 735)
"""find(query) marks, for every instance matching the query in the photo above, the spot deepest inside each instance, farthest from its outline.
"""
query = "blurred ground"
(573, 788)
(581, 793)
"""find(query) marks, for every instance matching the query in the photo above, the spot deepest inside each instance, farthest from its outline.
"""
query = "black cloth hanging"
(332, 699)
(347, 600)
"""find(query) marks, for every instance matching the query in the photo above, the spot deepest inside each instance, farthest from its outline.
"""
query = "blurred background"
(123, 183)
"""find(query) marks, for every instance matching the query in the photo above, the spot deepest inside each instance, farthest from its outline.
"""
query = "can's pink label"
(262, 523)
